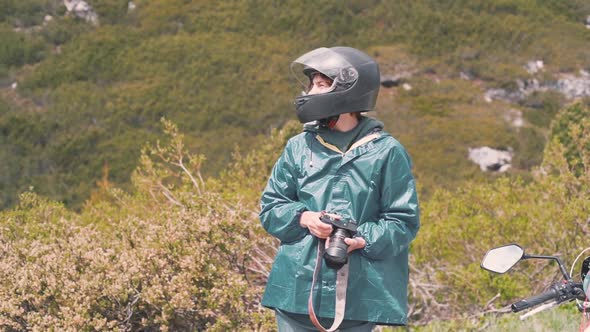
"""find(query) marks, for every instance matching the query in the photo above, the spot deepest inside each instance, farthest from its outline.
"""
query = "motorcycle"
(502, 259)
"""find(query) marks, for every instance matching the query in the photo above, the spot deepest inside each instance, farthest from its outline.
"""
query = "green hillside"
(89, 97)
(113, 219)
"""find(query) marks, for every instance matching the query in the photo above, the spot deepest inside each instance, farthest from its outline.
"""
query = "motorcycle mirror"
(502, 259)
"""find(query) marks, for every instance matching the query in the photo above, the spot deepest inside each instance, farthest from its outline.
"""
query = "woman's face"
(320, 84)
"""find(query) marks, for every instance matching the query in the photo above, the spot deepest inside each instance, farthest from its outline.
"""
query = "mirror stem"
(566, 275)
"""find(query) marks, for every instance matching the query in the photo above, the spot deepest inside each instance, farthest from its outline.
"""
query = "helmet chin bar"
(355, 85)
(329, 122)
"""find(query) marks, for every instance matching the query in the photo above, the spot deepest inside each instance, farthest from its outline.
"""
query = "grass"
(563, 318)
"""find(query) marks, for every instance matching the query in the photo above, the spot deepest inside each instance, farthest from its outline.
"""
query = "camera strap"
(341, 284)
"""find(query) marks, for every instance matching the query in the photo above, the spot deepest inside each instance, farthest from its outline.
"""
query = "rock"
(47, 19)
(505, 95)
(588, 22)
(533, 67)
(131, 6)
(82, 9)
(574, 87)
(466, 75)
(14, 85)
(514, 118)
(490, 159)
(569, 85)
(407, 87)
(390, 81)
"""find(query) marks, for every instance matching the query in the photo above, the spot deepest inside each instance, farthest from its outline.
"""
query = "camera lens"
(336, 254)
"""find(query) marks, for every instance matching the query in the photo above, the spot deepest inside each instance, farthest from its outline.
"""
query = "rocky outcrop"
(574, 86)
(490, 159)
(571, 86)
(533, 67)
(81, 9)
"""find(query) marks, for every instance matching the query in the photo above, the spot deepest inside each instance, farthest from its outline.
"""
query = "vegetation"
(562, 318)
(221, 72)
(184, 253)
(176, 255)
(99, 234)
(546, 215)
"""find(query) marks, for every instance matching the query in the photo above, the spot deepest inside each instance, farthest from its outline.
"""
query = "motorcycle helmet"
(355, 82)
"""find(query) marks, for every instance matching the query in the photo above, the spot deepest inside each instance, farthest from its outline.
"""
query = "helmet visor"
(327, 62)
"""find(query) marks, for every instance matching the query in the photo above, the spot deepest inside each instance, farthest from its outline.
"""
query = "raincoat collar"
(375, 127)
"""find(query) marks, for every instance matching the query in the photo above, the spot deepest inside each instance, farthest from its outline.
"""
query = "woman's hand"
(311, 220)
(355, 243)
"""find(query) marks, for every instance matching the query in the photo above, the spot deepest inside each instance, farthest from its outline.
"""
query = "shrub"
(17, 49)
(572, 129)
(63, 29)
(110, 11)
(548, 215)
(175, 255)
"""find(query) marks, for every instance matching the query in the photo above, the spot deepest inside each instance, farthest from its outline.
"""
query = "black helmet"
(355, 86)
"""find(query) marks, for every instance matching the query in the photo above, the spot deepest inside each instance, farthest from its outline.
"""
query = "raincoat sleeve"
(399, 219)
(280, 208)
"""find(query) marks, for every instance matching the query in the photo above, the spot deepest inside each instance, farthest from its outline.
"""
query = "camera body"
(336, 255)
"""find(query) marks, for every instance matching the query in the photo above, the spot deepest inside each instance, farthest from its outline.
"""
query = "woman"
(343, 165)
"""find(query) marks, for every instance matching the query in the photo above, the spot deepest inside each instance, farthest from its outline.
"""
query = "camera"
(336, 254)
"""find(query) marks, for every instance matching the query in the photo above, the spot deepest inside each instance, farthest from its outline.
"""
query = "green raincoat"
(371, 183)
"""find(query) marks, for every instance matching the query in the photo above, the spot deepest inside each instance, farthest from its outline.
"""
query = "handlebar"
(552, 294)
(560, 292)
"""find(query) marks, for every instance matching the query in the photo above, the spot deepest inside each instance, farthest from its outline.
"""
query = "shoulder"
(299, 137)
(389, 142)
(393, 148)
(299, 141)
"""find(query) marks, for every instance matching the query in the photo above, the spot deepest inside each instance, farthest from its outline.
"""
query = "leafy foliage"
(572, 129)
(547, 215)
(26, 13)
(17, 49)
(175, 255)
(182, 249)
(181, 252)
(174, 243)
(221, 72)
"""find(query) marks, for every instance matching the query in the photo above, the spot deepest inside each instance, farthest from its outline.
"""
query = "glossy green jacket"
(371, 183)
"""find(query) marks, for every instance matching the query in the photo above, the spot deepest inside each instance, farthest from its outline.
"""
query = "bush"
(17, 49)
(175, 255)
(22, 12)
(548, 215)
(61, 30)
(176, 270)
(545, 106)
(572, 129)
(110, 11)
